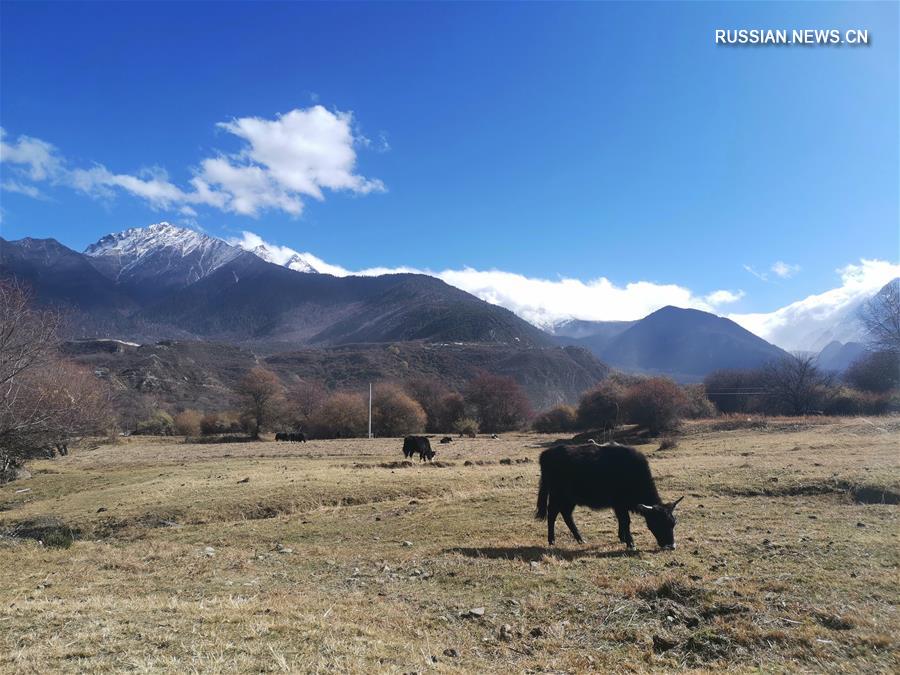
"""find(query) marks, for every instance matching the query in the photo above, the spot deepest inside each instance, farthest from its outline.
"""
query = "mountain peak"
(138, 241)
(175, 255)
(285, 257)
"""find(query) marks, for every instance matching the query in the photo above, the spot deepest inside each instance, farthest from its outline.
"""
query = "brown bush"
(847, 401)
(187, 423)
(500, 403)
(302, 401)
(451, 409)
(45, 401)
(396, 414)
(697, 405)
(560, 419)
(600, 408)
(343, 415)
(878, 372)
(430, 393)
(655, 404)
(466, 426)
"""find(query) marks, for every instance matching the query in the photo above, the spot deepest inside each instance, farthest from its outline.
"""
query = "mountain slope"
(837, 356)
(149, 261)
(687, 344)
(166, 282)
(204, 375)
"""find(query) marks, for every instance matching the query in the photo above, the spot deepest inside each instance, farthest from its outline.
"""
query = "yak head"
(661, 522)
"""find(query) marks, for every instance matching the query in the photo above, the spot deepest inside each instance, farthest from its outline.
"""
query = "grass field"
(333, 556)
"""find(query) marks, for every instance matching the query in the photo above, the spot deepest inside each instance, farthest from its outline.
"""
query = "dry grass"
(334, 557)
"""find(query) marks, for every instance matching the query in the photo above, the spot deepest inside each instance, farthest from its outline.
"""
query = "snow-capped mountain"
(175, 256)
(294, 261)
(171, 255)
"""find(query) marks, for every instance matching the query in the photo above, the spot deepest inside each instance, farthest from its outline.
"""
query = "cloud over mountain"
(813, 322)
(284, 160)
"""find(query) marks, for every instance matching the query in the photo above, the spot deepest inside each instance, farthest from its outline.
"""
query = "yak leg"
(567, 516)
(624, 519)
(552, 511)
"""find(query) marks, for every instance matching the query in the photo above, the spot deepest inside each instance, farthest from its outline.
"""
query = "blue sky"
(545, 140)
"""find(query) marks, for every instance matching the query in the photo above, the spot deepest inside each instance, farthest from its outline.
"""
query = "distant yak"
(608, 476)
(420, 445)
(446, 439)
(291, 436)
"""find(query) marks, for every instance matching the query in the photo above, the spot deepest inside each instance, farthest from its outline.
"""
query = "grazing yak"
(446, 439)
(292, 436)
(418, 444)
(608, 476)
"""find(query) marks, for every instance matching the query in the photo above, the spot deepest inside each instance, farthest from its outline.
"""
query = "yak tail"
(543, 495)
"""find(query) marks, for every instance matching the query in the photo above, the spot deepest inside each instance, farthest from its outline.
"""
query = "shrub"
(220, 423)
(466, 426)
(303, 401)
(795, 386)
(556, 420)
(600, 408)
(210, 424)
(847, 401)
(396, 414)
(429, 392)
(655, 404)
(343, 415)
(451, 409)
(697, 405)
(187, 423)
(500, 402)
(877, 372)
(160, 424)
(668, 443)
(731, 391)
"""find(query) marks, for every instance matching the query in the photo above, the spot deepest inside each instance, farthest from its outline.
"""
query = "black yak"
(609, 476)
(291, 437)
(418, 444)
(446, 439)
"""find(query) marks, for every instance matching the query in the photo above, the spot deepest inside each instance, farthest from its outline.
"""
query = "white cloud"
(784, 270)
(811, 323)
(779, 268)
(723, 297)
(34, 158)
(284, 160)
(762, 276)
(27, 190)
(543, 302)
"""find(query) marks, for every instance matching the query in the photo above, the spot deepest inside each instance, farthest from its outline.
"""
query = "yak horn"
(675, 503)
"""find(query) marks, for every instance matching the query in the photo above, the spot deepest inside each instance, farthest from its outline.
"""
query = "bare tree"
(45, 402)
(795, 386)
(501, 402)
(262, 394)
(304, 400)
(881, 318)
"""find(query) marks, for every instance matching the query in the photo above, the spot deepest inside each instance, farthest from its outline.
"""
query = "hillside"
(203, 374)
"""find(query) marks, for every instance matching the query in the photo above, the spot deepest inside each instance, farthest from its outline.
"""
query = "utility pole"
(370, 410)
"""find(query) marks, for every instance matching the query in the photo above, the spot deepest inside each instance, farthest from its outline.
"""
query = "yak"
(420, 445)
(292, 436)
(446, 439)
(608, 476)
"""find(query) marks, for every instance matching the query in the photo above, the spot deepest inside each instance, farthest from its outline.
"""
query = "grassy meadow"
(335, 556)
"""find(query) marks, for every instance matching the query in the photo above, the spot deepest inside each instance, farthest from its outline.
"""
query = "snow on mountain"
(285, 257)
(160, 250)
(177, 256)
